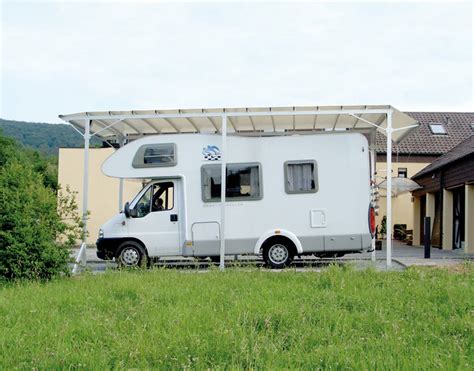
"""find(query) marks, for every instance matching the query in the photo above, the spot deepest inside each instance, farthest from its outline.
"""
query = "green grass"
(340, 318)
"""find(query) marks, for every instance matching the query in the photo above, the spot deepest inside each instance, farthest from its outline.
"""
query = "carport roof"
(244, 120)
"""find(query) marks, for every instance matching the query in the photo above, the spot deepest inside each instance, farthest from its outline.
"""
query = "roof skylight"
(437, 128)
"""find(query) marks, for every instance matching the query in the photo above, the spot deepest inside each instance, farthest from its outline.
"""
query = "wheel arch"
(281, 233)
(121, 241)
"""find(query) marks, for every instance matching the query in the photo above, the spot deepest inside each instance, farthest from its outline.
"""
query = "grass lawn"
(340, 318)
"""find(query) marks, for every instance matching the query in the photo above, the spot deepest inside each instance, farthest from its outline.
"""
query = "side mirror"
(126, 209)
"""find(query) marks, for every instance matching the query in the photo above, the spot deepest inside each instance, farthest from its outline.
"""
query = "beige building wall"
(469, 219)
(402, 205)
(431, 210)
(103, 190)
(416, 221)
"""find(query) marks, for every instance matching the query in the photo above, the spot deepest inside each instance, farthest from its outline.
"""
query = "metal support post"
(223, 188)
(427, 241)
(81, 256)
(372, 181)
(120, 196)
(389, 189)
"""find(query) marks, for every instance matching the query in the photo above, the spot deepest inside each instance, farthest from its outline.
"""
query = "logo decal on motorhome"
(211, 153)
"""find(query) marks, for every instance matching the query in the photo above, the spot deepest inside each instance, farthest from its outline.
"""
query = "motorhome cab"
(286, 196)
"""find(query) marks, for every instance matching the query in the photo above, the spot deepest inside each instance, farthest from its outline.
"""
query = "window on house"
(402, 172)
(437, 128)
(243, 182)
(155, 155)
(301, 176)
(472, 125)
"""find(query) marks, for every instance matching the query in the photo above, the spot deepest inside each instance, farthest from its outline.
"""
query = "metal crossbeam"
(351, 112)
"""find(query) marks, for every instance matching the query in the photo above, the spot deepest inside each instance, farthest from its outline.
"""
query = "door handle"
(173, 217)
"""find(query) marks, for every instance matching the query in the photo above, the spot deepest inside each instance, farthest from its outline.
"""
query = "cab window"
(163, 195)
(158, 197)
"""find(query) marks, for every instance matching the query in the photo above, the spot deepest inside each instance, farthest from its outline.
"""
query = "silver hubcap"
(278, 254)
(130, 256)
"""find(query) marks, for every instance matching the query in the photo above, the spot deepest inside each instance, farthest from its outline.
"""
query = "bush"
(34, 238)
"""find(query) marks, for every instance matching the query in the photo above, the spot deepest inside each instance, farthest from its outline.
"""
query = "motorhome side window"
(244, 182)
(301, 176)
(155, 155)
(158, 197)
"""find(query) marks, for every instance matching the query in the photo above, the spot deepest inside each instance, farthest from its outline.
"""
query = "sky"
(61, 57)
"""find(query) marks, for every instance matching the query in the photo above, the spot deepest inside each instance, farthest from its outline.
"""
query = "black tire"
(131, 255)
(278, 253)
(215, 259)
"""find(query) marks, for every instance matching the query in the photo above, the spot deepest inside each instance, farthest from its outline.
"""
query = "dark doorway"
(436, 223)
(458, 217)
(422, 218)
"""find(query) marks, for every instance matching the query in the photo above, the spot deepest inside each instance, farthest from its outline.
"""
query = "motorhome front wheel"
(131, 254)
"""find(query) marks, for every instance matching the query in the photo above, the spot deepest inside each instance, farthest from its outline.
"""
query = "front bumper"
(107, 248)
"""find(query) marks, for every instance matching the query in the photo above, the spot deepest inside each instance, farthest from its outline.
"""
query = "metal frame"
(225, 117)
(81, 258)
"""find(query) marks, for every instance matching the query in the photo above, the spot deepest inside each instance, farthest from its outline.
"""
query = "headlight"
(101, 233)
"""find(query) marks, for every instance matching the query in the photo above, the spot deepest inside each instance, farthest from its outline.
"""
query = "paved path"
(414, 255)
(403, 256)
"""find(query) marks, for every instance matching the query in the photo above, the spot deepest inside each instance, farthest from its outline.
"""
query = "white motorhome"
(286, 196)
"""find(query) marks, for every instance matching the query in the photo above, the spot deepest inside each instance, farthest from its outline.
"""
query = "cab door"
(155, 219)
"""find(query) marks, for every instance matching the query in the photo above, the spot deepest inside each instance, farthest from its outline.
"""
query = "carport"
(124, 126)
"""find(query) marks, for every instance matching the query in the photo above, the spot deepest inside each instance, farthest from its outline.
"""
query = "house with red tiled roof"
(438, 133)
(447, 197)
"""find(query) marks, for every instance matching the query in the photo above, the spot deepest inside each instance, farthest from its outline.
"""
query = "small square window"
(402, 172)
(472, 125)
(301, 176)
(437, 128)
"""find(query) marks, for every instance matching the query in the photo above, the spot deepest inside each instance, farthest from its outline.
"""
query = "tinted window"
(155, 155)
(243, 182)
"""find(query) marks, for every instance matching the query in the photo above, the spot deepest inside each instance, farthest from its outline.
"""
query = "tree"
(11, 151)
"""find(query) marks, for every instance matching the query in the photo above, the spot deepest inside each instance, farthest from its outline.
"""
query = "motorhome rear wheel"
(278, 253)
